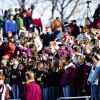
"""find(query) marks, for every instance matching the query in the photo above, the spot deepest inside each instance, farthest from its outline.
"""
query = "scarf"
(28, 81)
(2, 92)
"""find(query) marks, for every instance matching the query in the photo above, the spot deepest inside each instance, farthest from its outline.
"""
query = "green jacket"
(20, 23)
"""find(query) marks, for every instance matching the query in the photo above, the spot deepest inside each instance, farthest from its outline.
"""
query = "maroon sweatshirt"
(32, 92)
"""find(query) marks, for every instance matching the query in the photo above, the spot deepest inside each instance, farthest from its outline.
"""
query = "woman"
(37, 41)
(94, 80)
(67, 78)
(4, 91)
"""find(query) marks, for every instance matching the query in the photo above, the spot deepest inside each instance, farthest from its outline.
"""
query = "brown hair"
(85, 29)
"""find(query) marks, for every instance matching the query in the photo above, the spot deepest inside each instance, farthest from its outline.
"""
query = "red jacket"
(32, 92)
(37, 22)
(9, 49)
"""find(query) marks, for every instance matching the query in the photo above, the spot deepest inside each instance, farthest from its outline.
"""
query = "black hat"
(73, 20)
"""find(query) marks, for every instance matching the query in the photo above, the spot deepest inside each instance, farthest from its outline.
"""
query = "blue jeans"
(52, 93)
(99, 92)
(16, 93)
(95, 92)
(45, 93)
(67, 91)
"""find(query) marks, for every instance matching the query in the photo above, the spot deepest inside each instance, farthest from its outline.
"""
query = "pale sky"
(6, 4)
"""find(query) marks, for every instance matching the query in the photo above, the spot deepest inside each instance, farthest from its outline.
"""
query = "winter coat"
(9, 49)
(94, 75)
(10, 26)
(20, 23)
(38, 43)
(6, 72)
(31, 91)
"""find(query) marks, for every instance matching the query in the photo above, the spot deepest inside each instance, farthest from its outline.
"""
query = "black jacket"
(6, 72)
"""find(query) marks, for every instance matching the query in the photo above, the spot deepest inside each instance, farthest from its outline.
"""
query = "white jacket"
(38, 43)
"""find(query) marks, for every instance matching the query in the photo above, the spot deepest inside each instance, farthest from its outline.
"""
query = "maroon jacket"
(4, 94)
(87, 70)
(32, 92)
(68, 75)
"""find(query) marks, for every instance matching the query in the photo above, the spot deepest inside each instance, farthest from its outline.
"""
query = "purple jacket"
(87, 70)
(68, 75)
(27, 51)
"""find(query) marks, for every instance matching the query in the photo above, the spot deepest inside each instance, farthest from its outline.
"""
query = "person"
(4, 93)
(31, 90)
(37, 41)
(94, 81)
(67, 77)
(97, 11)
(74, 28)
(47, 37)
(57, 22)
(10, 25)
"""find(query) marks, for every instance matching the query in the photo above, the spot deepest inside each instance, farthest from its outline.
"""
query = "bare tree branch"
(73, 10)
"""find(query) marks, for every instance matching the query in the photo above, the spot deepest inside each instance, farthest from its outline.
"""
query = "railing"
(81, 97)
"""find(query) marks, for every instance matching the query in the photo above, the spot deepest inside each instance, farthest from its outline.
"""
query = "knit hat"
(32, 7)
(62, 52)
(47, 50)
(10, 10)
(48, 27)
(23, 28)
(3, 62)
(69, 51)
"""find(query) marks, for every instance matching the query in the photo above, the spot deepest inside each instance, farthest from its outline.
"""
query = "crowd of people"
(63, 61)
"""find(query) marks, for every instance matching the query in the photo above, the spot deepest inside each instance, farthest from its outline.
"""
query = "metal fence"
(81, 97)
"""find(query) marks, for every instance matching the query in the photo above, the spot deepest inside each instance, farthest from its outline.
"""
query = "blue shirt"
(94, 76)
(10, 26)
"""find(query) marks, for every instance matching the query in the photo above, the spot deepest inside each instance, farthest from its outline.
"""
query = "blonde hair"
(30, 75)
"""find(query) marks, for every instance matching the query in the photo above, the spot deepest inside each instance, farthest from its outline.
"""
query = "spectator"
(74, 29)
(10, 25)
(57, 22)
(30, 88)
(4, 94)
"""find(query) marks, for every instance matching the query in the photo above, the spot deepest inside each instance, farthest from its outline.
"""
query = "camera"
(88, 2)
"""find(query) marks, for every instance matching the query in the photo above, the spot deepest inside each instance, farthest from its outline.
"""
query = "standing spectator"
(10, 25)
(19, 22)
(4, 93)
(17, 13)
(58, 34)
(94, 80)
(3, 26)
(74, 29)
(97, 11)
(47, 37)
(31, 90)
(37, 41)
(57, 22)
(6, 72)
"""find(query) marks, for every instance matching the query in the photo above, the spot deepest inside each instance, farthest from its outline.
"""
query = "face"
(48, 30)
(11, 40)
(30, 34)
(78, 59)
(9, 35)
(1, 81)
(21, 67)
(11, 17)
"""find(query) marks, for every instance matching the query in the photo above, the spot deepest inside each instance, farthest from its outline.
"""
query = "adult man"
(31, 90)
(10, 25)
(47, 37)
(74, 29)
